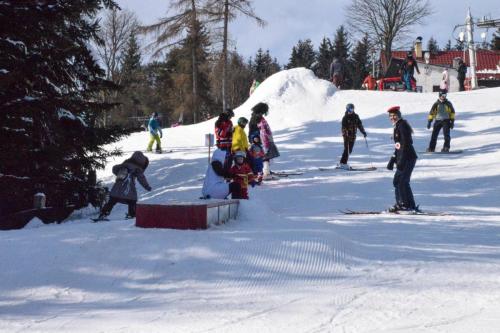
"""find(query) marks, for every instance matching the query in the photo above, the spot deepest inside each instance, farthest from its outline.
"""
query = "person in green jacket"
(155, 133)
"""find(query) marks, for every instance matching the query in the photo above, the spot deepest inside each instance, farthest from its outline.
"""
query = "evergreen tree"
(433, 46)
(341, 49)
(459, 46)
(259, 66)
(303, 55)
(495, 41)
(130, 98)
(447, 47)
(180, 62)
(360, 62)
(324, 59)
(48, 96)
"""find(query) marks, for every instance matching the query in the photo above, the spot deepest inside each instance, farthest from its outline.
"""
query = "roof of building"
(486, 60)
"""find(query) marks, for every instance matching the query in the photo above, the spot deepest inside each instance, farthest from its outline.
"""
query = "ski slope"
(291, 262)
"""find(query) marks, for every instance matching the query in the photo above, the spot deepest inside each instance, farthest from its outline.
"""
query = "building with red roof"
(487, 67)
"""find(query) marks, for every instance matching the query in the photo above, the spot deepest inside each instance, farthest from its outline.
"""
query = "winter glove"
(390, 165)
(452, 124)
(149, 188)
(429, 124)
(253, 183)
(364, 134)
(161, 135)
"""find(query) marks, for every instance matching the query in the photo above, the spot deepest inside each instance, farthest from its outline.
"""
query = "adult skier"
(350, 125)
(462, 70)
(443, 114)
(408, 68)
(405, 158)
(215, 185)
(155, 133)
(337, 72)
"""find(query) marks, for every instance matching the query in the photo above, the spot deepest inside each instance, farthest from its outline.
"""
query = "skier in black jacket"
(405, 158)
(350, 125)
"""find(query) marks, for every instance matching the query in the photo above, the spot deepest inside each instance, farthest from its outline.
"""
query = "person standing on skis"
(405, 158)
(224, 136)
(443, 113)
(408, 68)
(350, 125)
(155, 133)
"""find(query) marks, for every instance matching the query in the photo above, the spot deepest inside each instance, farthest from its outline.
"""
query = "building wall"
(431, 75)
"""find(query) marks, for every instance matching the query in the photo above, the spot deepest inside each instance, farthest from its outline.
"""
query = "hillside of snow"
(291, 262)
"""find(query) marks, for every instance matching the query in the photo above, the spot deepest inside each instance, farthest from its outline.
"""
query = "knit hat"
(396, 110)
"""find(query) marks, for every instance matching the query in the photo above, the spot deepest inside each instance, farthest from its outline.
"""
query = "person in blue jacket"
(155, 133)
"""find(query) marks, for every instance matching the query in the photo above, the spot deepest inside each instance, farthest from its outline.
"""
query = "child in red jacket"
(242, 174)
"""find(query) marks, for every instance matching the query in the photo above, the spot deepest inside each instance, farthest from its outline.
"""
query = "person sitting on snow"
(124, 190)
(215, 185)
(350, 125)
(241, 174)
(443, 113)
(256, 156)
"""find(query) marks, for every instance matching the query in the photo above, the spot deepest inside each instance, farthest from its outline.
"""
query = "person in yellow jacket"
(240, 140)
(443, 114)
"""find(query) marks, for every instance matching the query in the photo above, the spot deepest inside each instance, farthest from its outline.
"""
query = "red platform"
(188, 215)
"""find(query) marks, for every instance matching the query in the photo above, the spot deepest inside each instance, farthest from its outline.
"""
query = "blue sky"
(290, 20)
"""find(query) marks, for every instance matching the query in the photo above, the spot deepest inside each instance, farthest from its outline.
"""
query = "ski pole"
(369, 153)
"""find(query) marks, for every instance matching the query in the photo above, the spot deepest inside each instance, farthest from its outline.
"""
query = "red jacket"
(242, 174)
(224, 134)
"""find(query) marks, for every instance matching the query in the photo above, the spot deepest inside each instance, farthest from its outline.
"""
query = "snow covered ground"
(291, 262)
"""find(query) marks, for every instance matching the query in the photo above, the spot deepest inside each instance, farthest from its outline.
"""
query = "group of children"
(243, 161)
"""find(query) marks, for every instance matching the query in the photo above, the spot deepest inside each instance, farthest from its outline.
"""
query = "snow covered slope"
(291, 262)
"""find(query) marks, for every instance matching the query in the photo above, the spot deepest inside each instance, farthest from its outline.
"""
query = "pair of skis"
(398, 212)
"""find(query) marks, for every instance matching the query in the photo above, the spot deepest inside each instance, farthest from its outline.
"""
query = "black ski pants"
(106, 209)
(348, 145)
(445, 125)
(401, 182)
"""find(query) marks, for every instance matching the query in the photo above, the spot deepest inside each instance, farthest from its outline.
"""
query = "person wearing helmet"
(240, 141)
(155, 133)
(224, 135)
(258, 124)
(443, 114)
(405, 158)
(350, 125)
(242, 174)
(256, 157)
(408, 68)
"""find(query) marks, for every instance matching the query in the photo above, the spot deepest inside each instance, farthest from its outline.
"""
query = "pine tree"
(49, 91)
(495, 41)
(433, 46)
(303, 55)
(360, 62)
(324, 59)
(341, 49)
(132, 60)
(459, 46)
(448, 47)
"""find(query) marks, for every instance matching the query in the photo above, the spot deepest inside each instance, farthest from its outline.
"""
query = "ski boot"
(445, 150)
(395, 208)
(428, 150)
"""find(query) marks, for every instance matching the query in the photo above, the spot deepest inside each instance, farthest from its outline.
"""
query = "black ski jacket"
(350, 125)
(402, 135)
